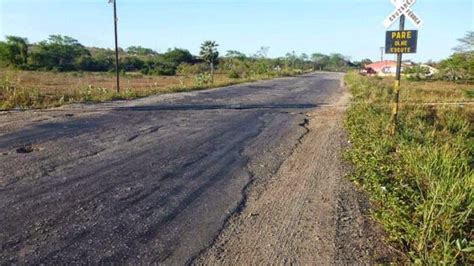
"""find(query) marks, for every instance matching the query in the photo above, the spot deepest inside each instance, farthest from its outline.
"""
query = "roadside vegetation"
(421, 181)
(459, 67)
(61, 70)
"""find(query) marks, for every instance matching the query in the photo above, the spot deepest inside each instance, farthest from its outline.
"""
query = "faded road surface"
(151, 180)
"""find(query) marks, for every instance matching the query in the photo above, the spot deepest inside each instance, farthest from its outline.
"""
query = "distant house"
(383, 68)
(386, 67)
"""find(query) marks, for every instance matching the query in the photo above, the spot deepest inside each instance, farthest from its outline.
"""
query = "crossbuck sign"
(403, 7)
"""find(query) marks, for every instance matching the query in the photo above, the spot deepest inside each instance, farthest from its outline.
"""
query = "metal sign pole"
(396, 100)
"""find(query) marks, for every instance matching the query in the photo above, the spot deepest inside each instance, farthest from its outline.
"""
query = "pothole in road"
(26, 149)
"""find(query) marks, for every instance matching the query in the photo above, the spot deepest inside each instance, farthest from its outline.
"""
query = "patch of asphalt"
(261, 169)
(147, 181)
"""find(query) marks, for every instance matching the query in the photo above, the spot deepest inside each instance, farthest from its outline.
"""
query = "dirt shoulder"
(307, 212)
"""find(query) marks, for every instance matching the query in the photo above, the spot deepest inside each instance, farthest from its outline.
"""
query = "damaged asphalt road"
(145, 181)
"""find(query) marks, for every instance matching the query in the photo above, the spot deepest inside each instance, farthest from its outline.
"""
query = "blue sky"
(350, 27)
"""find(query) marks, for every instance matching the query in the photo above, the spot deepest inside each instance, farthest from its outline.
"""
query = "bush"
(417, 73)
(177, 56)
(459, 67)
(87, 63)
(186, 69)
(203, 79)
(131, 63)
(155, 67)
(233, 74)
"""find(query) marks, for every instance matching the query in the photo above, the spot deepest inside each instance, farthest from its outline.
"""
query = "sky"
(351, 27)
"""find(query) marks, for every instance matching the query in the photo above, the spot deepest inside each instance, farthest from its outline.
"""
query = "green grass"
(421, 181)
(469, 94)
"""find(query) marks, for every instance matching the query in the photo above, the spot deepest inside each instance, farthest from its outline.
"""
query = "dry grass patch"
(433, 91)
(35, 89)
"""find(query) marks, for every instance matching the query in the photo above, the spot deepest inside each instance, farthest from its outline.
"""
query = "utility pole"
(117, 70)
(396, 92)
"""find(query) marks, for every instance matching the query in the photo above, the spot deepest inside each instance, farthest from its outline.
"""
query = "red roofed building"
(384, 68)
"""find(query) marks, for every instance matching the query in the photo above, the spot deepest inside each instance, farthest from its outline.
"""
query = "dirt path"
(307, 213)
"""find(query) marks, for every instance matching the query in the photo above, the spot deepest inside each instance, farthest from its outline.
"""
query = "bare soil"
(308, 212)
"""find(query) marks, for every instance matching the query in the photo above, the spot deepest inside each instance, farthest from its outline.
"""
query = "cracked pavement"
(145, 181)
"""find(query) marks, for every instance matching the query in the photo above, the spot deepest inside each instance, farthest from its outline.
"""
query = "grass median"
(421, 181)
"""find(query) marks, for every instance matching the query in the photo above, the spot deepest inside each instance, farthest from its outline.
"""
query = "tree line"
(63, 53)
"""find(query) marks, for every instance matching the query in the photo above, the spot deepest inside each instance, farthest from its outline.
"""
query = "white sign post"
(403, 7)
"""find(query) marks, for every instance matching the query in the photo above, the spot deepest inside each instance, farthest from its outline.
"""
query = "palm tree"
(209, 54)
